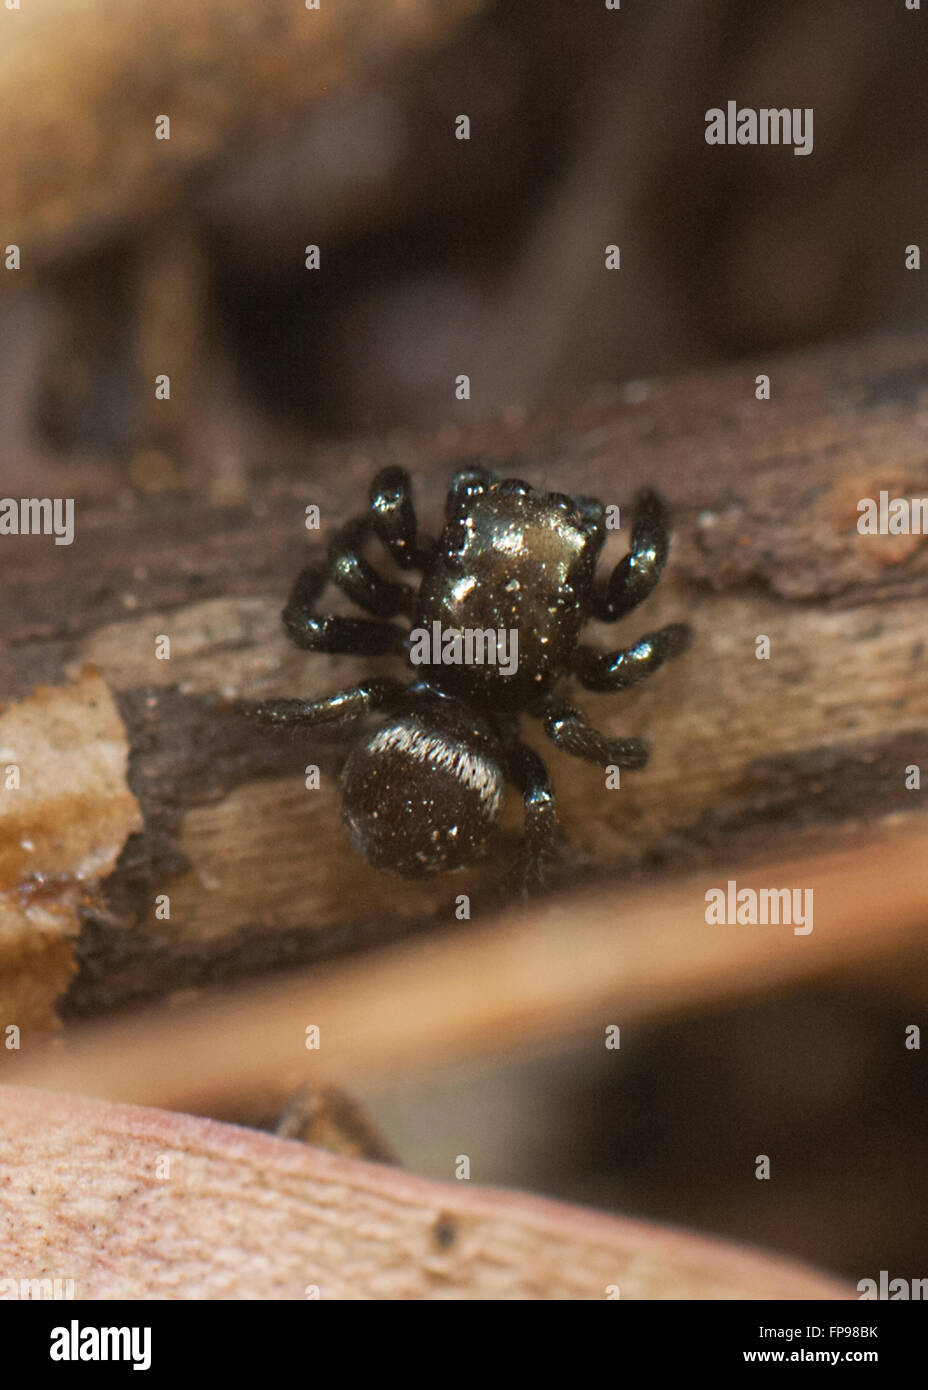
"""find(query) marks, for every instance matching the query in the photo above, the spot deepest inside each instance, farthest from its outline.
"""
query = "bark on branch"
(747, 752)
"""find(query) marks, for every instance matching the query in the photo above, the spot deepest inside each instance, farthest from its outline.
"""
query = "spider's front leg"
(467, 483)
(359, 580)
(313, 632)
(634, 577)
(393, 516)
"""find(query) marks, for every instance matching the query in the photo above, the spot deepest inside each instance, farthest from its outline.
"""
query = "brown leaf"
(61, 830)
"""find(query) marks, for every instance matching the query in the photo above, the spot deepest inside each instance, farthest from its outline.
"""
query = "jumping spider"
(422, 793)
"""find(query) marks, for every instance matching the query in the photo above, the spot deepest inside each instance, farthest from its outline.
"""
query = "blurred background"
(438, 257)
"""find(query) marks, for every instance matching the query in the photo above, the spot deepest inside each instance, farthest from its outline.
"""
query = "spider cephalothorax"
(423, 792)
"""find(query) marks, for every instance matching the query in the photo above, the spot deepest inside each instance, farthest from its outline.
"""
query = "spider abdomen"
(422, 795)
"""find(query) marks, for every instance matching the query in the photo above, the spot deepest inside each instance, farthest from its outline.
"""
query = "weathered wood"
(143, 1204)
(745, 752)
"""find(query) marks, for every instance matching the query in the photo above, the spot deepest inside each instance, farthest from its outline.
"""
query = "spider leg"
(634, 577)
(359, 580)
(347, 568)
(542, 832)
(371, 696)
(313, 633)
(466, 484)
(571, 731)
(620, 669)
(393, 516)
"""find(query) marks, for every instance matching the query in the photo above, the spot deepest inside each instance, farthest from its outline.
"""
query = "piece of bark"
(746, 753)
(144, 1204)
(65, 813)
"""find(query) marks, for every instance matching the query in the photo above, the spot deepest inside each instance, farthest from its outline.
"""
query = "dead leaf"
(65, 813)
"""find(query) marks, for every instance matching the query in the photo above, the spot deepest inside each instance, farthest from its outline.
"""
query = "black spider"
(422, 793)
